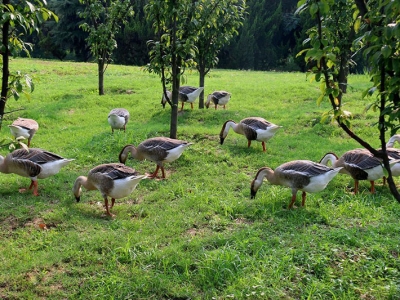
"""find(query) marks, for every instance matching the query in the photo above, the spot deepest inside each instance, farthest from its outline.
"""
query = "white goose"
(118, 118)
(218, 98)
(253, 128)
(186, 94)
(112, 180)
(303, 175)
(360, 164)
(158, 149)
(25, 128)
(33, 163)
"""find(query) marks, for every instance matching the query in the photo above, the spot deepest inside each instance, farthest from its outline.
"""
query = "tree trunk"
(175, 84)
(4, 81)
(202, 75)
(100, 70)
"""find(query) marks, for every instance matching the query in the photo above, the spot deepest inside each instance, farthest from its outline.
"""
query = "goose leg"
(29, 142)
(112, 202)
(34, 184)
(183, 103)
(215, 106)
(191, 105)
(154, 175)
(293, 201)
(224, 106)
(303, 196)
(163, 172)
(355, 186)
(248, 143)
(107, 209)
(263, 145)
(372, 187)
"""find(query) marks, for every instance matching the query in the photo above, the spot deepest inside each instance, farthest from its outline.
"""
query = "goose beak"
(221, 140)
(78, 199)
(163, 104)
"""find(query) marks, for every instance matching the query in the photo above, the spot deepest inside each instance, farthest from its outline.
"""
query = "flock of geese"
(116, 180)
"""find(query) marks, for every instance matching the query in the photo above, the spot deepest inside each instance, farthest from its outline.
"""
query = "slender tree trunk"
(202, 75)
(100, 70)
(4, 81)
(175, 84)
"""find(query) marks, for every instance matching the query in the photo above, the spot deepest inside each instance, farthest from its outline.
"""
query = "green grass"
(197, 234)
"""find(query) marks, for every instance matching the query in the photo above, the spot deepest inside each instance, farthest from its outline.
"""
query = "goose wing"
(114, 171)
(299, 173)
(361, 159)
(220, 94)
(38, 156)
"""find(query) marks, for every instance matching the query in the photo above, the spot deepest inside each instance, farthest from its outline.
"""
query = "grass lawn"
(196, 234)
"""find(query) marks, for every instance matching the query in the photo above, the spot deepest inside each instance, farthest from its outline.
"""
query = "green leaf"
(386, 51)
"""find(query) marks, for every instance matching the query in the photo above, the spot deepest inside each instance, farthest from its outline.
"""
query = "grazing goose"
(304, 175)
(360, 164)
(112, 180)
(25, 128)
(33, 163)
(118, 118)
(186, 94)
(252, 128)
(218, 98)
(158, 149)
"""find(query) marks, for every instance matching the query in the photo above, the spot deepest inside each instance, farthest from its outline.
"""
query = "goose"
(111, 180)
(186, 94)
(158, 149)
(25, 128)
(360, 164)
(253, 128)
(34, 163)
(304, 175)
(218, 98)
(118, 118)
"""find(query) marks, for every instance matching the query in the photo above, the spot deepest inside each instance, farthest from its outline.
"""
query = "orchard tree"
(104, 19)
(220, 23)
(378, 23)
(174, 23)
(18, 19)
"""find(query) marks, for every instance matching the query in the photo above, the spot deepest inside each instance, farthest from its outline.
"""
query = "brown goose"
(112, 180)
(186, 94)
(25, 128)
(118, 118)
(360, 164)
(158, 149)
(33, 163)
(303, 175)
(253, 128)
(218, 98)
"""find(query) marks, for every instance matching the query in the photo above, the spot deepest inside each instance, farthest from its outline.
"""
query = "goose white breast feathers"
(118, 118)
(253, 128)
(360, 164)
(218, 98)
(303, 175)
(158, 149)
(111, 180)
(24, 128)
(34, 163)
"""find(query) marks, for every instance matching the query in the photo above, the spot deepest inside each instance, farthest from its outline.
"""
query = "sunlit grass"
(197, 234)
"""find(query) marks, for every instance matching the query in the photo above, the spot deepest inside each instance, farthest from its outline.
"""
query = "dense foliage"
(270, 37)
